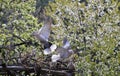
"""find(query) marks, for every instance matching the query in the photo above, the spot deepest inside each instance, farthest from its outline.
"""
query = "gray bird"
(62, 53)
(44, 32)
(43, 35)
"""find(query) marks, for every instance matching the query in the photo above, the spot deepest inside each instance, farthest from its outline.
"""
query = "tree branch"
(32, 70)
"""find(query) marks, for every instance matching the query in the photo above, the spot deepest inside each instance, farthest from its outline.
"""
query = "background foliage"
(92, 26)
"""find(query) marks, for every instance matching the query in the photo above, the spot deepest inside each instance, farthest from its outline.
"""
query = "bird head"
(34, 33)
(71, 51)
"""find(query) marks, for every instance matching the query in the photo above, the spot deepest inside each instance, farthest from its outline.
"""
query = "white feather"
(54, 57)
(46, 51)
(71, 51)
(53, 47)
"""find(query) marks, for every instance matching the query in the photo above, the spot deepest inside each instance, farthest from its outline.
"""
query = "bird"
(43, 35)
(44, 32)
(62, 53)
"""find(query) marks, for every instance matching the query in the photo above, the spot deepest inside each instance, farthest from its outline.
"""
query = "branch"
(18, 37)
(17, 44)
(32, 70)
(20, 68)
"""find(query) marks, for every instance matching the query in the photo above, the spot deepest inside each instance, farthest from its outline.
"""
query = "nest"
(29, 65)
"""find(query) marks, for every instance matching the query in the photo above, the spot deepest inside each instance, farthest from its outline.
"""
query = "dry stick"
(14, 45)
(31, 70)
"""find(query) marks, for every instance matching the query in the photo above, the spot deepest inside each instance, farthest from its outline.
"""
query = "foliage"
(93, 30)
(17, 22)
(92, 26)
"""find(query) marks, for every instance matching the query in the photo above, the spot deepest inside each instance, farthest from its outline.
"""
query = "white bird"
(43, 35)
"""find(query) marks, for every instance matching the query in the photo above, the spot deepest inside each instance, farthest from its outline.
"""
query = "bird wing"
(63, 52)
(44, 31)
(66, 43)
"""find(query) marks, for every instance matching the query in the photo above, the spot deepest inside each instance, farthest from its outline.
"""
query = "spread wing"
(44, 31)
(66, 43)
